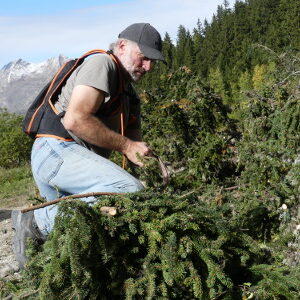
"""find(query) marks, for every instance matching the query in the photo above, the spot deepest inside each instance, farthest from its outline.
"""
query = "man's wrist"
(125, 145)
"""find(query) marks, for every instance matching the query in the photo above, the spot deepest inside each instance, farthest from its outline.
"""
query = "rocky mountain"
(21, 81)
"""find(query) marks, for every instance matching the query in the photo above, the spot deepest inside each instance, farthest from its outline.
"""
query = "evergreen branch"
(71, 197)
(282, 82)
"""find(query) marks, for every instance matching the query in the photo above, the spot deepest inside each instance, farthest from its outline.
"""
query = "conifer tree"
(184, 48)
(168, 53)
(216, 82)
(287, 23)
(197, 38)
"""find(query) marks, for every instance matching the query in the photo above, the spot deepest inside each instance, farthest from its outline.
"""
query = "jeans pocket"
(45, 161)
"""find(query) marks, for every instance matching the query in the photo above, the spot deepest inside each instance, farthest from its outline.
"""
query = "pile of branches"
(157, 246)
(227, 226)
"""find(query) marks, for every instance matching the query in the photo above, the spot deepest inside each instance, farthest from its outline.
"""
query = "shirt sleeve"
(99, 72)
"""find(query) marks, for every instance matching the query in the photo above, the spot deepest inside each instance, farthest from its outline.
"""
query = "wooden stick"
(108, 210)
(69, 198)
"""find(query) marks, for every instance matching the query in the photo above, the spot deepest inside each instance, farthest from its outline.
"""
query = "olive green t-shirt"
(100, 72)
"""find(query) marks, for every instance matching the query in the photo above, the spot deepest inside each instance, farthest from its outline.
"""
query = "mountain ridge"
(21, 81)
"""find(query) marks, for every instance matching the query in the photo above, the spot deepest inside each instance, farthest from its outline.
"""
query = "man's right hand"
(134, 149)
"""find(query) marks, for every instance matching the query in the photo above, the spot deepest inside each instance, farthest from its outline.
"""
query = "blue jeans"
(65, 168)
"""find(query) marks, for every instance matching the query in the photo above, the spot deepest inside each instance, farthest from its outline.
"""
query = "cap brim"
(152, 53)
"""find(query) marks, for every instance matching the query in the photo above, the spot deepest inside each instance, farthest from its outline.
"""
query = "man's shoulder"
(100, 60)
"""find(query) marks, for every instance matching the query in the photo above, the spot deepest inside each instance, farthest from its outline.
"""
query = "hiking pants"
(63, 168)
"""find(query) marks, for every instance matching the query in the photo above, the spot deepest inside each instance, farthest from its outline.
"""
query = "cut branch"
(69, 198)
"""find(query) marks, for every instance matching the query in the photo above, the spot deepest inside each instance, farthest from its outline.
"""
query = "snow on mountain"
(20, 81)
(19, 68)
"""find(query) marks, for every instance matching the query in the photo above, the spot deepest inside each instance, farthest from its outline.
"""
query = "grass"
(17, 187)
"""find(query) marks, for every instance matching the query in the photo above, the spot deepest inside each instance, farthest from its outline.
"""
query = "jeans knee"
(139, 186)
(134, 186)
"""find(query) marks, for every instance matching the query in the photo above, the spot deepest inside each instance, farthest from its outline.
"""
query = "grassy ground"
(17, 188)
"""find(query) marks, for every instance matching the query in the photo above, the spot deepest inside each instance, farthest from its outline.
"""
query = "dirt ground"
(8, 264)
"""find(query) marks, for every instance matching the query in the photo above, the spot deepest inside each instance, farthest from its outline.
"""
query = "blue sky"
(36, 30)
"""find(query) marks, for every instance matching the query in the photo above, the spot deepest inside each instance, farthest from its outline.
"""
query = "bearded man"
(79, 165)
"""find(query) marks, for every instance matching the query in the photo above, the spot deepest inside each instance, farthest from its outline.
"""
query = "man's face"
(134, 61)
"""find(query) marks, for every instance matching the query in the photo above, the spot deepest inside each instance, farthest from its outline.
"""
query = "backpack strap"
(42, 118)
(79, 62)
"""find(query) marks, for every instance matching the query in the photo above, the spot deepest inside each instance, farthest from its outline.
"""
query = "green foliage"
(159, 246)
(284, 281)
(226, 226)
(226, 44)
(14, 144)
(270, 142)
(16, 185)
(6, 288)
(194, 121)
(216, 82)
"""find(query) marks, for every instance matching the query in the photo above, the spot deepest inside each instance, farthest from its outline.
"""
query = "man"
(78, 166)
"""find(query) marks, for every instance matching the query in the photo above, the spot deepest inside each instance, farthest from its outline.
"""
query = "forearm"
(94, 131)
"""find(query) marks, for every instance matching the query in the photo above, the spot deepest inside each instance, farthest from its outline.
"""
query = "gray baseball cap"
(147, 37)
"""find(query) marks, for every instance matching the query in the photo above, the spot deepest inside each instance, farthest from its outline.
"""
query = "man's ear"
(122, 46)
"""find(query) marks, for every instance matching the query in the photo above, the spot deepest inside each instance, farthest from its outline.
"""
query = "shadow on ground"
(5, 214)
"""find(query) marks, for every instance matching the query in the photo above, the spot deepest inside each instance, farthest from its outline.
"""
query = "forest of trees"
(226, 52)
(224, 115)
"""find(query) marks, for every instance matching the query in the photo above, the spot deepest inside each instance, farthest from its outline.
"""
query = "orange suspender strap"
(120, 89)
(71, 70)
(53, 136)
(124, 160)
